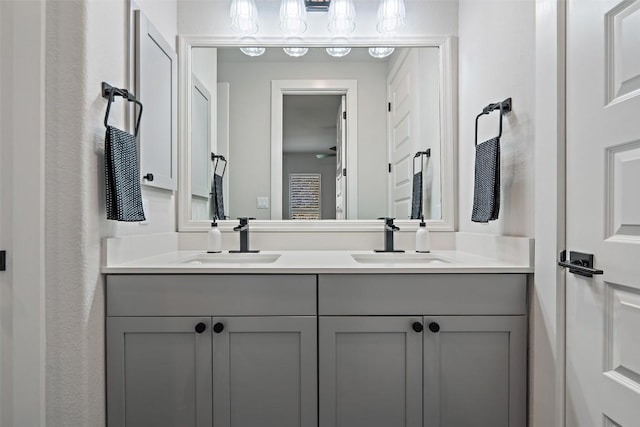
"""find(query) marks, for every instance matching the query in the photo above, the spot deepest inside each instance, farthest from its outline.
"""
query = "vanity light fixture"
(295, 51)
(391, 15)
(244, 16)
(293, 17)
(338, 51)
(380, 52)
(342, 17)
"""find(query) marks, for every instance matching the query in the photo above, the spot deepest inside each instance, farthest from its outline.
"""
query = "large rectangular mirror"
(316, 137)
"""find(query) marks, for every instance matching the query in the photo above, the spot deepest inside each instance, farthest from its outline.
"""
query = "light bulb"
(380, 52)
(342, 17)
(391, 14)
(244, 16)
(293, 16)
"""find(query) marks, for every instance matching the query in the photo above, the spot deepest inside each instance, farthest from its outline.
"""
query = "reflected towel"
(217, 199)
(486, 191)
(122, 174)
(416, 197)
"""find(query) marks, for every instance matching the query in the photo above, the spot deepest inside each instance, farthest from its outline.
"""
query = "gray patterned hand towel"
(217, 197)
(124, 197)
(416, 198)
(486, 191)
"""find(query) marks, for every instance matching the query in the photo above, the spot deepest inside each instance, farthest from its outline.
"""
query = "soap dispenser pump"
(422, 238)
(214, 245)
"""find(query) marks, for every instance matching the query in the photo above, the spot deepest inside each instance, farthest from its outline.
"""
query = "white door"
(341, 152)
(403, 132)
(603, 212)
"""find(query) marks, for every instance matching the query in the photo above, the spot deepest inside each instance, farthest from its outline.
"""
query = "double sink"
(361, 258)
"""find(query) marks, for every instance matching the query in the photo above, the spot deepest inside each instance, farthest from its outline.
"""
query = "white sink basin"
(399, 258)
(233, 258)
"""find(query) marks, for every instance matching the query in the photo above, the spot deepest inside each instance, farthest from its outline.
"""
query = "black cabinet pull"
(148, 177)
(417, 326)
(218, 327)
(434, 327)
(201, 327)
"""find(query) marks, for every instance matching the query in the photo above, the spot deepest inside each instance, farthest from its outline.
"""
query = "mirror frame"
(448, 135)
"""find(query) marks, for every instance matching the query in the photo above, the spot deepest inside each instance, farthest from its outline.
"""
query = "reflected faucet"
(389, 229)
(243, 228)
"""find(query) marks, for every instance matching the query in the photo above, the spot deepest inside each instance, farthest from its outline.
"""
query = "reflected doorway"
(314, 156)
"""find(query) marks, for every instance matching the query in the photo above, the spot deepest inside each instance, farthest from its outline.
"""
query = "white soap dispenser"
(214, 245)
(422, 238)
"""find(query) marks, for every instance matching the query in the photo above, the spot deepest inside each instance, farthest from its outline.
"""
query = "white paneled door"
(603, 212)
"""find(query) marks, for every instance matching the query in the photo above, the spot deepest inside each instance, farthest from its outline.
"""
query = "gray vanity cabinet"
(475, 371)
(159, 371)
(265, 371)
(370, 371)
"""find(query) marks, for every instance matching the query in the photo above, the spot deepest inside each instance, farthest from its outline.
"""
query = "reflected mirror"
(315, 137)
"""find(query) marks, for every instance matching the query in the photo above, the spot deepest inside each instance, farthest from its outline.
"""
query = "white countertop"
(314, 262)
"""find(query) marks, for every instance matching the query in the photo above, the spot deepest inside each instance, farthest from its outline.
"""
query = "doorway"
(342, 120)
(313, 150)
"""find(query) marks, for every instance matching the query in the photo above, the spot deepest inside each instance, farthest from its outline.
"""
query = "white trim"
(279, 88)
(449, 130)
(547, 318)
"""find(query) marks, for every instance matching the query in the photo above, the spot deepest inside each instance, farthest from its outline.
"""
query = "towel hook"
(504, 107)
(109, 92)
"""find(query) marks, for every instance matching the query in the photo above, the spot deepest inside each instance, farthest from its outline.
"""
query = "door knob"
(148, 177)
(218, 327)
(417, 326)
(434, 327)
(201, 327)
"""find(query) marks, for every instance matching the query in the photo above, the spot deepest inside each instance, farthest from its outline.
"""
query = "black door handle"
(218, 327)
(434, 327)
(201, 327)
(148, 177)
(417, 326)
(579, 263)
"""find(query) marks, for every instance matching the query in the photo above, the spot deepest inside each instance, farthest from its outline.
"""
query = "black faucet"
(243, 228)
(389, 229)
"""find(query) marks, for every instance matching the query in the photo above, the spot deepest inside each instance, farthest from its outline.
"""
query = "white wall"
(250, 129)
(496, 61)
(84, 48)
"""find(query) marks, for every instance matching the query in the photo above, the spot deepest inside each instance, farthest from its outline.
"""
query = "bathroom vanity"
(439, 341)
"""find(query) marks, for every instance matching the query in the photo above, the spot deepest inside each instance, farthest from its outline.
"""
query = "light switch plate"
(262, 202)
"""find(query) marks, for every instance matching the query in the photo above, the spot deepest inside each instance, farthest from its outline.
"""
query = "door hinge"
(389, 106)
(389, 167)
(344, 115)
(344, 171)
(3, 260)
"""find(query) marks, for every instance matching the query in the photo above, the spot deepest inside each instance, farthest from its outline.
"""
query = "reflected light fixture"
(380, 52)
(338, 51)
(244, 16)
(252, 50)
(295, 51)
(391, 15)
(293, 17)
(342, 17)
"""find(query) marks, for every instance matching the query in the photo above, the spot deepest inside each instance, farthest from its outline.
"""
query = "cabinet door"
(475, 371)
(370, 372)
(265, 371)
(159, 372)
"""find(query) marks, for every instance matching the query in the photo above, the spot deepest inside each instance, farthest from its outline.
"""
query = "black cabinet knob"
(417, 326)
(434, 327)
(218, 327)
(201, 327)
(148, 177)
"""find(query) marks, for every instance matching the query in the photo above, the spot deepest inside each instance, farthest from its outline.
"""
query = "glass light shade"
(295, 51)
(338, 51)
(342, 17)
(253, 50)
(244, 16)
(391, 15)
(380, 52)
(293, 16)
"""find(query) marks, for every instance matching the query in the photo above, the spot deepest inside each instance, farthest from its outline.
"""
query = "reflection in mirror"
(333, 162)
